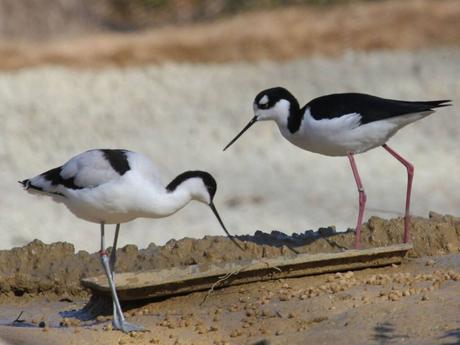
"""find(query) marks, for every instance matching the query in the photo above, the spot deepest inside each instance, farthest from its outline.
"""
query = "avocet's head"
(200, 184)
(202, 187)
(272, 104)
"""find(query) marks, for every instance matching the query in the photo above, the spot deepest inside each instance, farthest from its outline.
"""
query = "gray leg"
(113, 256)
(119, 321)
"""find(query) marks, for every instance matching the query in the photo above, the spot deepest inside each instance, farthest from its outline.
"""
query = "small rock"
(325, 232)
(430, 263)
(235, 333)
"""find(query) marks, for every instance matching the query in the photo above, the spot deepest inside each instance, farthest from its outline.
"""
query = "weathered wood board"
(175, 281)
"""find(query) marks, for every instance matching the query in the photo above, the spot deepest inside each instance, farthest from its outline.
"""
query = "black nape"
(208, 180)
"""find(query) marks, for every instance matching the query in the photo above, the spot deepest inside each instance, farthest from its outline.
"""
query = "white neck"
(168, 203)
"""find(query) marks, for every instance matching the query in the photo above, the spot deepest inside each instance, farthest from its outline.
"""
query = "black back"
(371, 108)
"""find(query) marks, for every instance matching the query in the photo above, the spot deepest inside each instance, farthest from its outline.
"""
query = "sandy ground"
(39, 268)
(415, 303)
(183, 115)
(280, 34)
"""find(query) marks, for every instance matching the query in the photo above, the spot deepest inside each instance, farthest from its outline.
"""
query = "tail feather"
(27, 184)
(437, 104)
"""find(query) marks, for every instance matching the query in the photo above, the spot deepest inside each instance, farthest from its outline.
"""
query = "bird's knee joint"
(410, 169)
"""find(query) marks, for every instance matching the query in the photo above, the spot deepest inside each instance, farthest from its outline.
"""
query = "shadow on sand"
(454, 334)
(384, 333)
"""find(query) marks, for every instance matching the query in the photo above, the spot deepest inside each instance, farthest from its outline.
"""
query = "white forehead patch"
(263, 100)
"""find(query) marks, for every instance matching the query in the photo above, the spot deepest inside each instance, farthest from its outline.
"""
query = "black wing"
(371, 108)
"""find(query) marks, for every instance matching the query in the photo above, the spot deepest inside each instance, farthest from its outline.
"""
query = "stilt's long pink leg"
(362, 200)
(410, 176)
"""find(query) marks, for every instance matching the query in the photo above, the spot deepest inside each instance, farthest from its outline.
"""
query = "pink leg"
(410, 176)
(362, 200)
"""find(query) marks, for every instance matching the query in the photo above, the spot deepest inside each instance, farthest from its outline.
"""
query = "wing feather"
(371, 108)
(86, 170)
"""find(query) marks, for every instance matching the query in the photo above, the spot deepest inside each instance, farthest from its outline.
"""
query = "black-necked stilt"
(117, 186)
(342, 125)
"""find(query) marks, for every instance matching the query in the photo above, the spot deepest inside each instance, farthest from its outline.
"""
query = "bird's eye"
(263, 106)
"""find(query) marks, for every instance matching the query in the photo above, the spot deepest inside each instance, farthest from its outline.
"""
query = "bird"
(114, 186)
(343, 124)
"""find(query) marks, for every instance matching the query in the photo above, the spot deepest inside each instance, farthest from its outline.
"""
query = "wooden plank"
(174, 281)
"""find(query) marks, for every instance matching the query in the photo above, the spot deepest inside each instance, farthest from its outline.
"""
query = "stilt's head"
(272, 104)
(202, 187)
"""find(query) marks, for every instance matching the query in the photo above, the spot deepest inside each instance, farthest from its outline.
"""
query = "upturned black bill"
(213, 208)
(253, 120)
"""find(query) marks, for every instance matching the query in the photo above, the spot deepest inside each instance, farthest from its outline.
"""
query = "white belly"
(340, 136)
(356, 140)
(99, 215)
(114, 202)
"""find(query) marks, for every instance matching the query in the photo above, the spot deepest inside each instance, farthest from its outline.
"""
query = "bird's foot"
(127, 327)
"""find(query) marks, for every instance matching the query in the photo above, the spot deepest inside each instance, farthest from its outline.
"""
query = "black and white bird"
(342, 124)
(117, 186)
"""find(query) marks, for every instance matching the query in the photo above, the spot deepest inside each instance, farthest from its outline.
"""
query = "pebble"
(250, 313)
(365, 299)
(291, 316)
(430, 263)
(267, 313)
(235, 333)
(284, 297)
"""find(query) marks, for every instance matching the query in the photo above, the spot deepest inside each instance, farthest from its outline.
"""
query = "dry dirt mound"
(267, 35)
(56, 268)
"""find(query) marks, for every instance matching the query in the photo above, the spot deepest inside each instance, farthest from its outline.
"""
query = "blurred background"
(175, 79)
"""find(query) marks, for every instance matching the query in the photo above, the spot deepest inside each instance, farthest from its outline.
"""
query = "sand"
(371, 306)
(40, 268)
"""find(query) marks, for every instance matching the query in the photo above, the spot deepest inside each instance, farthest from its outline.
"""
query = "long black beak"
(253, 121)
(214, 210)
